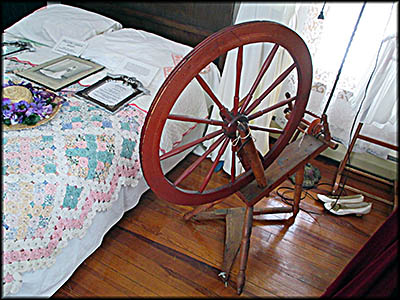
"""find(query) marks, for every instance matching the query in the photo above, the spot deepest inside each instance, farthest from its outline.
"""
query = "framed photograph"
(61, 72)
(113, 92)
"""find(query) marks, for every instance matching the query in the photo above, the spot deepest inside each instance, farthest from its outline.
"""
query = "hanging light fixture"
(321, 14)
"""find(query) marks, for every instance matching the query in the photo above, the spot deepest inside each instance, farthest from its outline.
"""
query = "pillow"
(48, 24)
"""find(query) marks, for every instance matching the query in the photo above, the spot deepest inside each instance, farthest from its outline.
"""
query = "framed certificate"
(61, 72)
(112, 92)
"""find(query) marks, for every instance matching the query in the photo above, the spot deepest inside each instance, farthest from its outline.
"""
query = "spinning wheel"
(262, 172)
(244, 110)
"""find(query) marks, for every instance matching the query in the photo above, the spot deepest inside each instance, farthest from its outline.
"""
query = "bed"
(68, 181)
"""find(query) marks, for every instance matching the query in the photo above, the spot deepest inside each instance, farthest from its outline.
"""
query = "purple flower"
(7, 108)
(9, 83)
(6, 103)
(44, 94)
(24, 112)
(21, 106)
(40, 103)
(36, 98)
(7, 113)
(39, 109)
(31, 109)
(48, 109)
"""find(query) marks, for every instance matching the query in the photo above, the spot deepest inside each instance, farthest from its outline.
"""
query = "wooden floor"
(152, 251)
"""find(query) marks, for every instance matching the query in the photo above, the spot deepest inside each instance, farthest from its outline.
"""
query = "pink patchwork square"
(176, 58)
(167, 70)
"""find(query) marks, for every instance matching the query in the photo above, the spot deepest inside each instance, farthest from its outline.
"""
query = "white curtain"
(327, 40)
(254, 56)
(378, 104)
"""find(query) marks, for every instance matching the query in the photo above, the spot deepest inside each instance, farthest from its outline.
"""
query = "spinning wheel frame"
(207, 51)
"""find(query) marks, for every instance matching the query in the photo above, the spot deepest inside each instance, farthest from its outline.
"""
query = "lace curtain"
(253, 57)
(327, 41)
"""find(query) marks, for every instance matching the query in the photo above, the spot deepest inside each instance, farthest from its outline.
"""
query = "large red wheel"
(216, 45)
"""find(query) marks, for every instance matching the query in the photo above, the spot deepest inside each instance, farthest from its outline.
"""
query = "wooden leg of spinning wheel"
(244, 248)
(336, 185)
(187, 216)
(297, 190)
(234, 226)
(234, 219)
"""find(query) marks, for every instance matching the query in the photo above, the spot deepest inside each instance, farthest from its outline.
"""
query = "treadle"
(287, 163)
(238, 221)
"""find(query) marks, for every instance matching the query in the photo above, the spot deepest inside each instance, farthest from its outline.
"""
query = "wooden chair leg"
(244, 248)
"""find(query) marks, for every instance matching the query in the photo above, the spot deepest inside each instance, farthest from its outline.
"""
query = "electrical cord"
(288, 200)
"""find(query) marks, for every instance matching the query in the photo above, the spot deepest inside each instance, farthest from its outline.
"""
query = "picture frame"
(8, 48)
(113, 91)
(60, 72)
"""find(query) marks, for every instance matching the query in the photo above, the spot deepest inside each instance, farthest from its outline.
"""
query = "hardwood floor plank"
(95, 283)
(123, 274)
(71, 289)
(187, 239)
(191, 276)
(153, 252)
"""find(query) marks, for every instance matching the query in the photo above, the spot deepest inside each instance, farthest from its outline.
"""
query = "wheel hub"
(231, 123)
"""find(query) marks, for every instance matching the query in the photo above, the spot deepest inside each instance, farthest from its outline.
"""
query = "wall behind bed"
(185, 22)
(13, 11)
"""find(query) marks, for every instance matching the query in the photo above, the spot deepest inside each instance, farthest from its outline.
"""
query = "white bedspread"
(108, 49)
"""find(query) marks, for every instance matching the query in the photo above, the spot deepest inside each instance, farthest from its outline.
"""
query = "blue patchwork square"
(127, 148)
(71, 197)
(50, 168)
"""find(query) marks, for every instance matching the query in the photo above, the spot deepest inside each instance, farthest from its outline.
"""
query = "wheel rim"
(237, 36)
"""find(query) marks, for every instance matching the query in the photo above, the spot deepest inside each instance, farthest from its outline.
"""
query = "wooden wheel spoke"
(271, 108)
(191, 144)
(195, 120)
(267, 129)
(186, 188)
(239, 64)
(193, 166)
(207, 89)
(270, 88)
(264, 68)
(214, 165)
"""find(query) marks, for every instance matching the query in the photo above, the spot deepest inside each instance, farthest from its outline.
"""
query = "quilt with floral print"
(58, 176)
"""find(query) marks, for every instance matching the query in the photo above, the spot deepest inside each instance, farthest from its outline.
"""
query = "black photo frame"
(135, 85)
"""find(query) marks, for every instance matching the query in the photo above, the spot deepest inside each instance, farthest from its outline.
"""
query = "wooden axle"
(302, 127)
